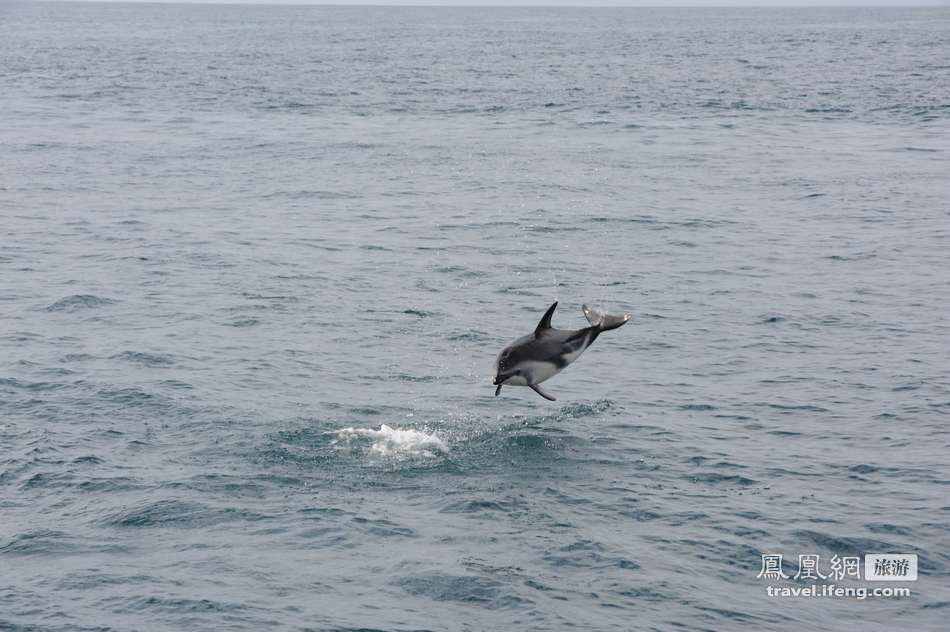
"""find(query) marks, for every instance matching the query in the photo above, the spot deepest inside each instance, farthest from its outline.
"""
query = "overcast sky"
(581, 3)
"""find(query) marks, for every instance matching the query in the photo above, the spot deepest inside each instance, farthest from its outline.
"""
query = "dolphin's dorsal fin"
(545, 323)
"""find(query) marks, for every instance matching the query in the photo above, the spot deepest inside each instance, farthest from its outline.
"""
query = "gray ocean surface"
(256, 264)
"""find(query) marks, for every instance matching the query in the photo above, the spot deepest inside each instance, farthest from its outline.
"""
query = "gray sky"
(581, 3)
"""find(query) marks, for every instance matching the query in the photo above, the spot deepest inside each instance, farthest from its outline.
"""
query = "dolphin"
(541, 355)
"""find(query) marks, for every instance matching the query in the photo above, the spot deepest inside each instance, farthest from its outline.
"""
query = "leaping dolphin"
(541, 355)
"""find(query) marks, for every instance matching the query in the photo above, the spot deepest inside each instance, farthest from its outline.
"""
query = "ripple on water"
(715, 478)
(30, 386)
(51, 542)
(382, 528)
(847, 545)
(697, 407)
(485, 506)
(108, 485)
(243, 322)
(588, 554)
(176, 513)
(178, 605)
(78, 302)
(151, 360)
(421, 313)
(132, 398)
(573, 411)
(463, 588)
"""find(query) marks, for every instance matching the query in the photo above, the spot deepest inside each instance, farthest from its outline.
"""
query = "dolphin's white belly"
(539, 371)
(573, 355)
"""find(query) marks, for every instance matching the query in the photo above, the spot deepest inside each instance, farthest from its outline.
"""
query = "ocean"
(256, 263)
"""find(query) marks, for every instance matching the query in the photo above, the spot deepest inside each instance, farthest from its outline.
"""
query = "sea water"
(256, 264)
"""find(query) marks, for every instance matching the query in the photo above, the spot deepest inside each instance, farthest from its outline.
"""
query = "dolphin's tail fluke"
(602, 321)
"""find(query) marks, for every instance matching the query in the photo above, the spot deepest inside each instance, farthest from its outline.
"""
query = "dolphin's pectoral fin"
(545, 320)
(498, 390)
(537, 389)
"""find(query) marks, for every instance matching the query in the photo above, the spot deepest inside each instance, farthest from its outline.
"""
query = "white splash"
(392, 442)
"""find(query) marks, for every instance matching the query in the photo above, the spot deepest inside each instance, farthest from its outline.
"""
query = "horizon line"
(541, 4)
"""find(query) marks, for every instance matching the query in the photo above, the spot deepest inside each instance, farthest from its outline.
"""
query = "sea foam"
(395, 442)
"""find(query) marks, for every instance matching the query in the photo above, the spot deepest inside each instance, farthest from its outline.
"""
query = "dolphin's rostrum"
(534, 358)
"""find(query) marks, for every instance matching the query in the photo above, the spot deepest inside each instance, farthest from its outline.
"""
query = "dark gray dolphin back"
(532, 348)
